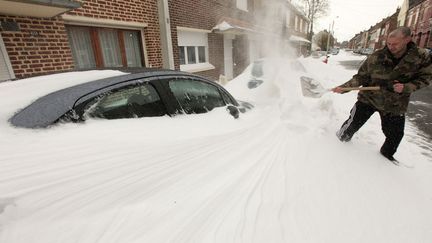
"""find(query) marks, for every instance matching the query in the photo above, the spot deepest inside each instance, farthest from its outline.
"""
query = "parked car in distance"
(150, 93)
(364, 51)
(317, 54)
(367, 51)
(334, 51)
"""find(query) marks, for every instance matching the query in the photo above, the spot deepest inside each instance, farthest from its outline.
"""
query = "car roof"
(49, 108)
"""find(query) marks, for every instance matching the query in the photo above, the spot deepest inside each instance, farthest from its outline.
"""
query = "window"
(409, 20)
(195, 54)
(110, 48)
(182, 55)
(193, 51)
(242, 4)
(301, 25)
(201, 54)
(287, 19)
(196, 96)
(104, 47)
(133, 101)
(82, 50)
(191, 54)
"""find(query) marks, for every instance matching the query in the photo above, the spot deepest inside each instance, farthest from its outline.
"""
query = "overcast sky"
(352, 16)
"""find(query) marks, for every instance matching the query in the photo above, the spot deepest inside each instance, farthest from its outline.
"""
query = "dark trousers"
(392, 126)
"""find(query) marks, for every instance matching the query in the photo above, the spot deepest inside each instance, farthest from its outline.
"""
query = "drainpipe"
(165, 31)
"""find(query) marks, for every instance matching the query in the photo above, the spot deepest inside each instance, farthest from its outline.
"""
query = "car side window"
(227, 99)
(195, 96)
(133, 101)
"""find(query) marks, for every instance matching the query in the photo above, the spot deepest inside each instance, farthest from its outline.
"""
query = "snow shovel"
(312, 88)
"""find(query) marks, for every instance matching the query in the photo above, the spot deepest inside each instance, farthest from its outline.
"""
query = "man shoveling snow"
(399, 69)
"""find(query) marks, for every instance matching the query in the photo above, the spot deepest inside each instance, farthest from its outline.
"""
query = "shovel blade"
(311, 87)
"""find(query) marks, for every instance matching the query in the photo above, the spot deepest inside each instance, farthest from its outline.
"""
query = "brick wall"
(204, 14)
(143, 11)
(39, 47)
(421, 31)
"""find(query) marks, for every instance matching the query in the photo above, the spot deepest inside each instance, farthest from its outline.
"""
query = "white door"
(253, 50)
(228, 56)
(6, 72)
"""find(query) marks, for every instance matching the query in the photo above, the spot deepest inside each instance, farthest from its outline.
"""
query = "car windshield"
(195, 96)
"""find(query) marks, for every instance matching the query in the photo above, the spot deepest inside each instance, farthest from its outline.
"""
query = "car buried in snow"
(147, 93)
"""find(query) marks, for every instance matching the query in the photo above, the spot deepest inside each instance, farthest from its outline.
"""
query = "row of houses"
(416, 14)
(207, 37)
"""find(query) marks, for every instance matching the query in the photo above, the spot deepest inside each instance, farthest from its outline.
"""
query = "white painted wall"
(228, 56)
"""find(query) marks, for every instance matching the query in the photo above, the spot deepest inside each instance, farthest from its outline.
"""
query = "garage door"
(6, 72)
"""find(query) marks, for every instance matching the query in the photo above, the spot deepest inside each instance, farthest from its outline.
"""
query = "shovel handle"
(361, 88)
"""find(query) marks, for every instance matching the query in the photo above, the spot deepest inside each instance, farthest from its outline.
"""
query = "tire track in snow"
(242, 194)
(222, 142)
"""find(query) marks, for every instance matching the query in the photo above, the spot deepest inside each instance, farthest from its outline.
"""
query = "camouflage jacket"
(414, 70)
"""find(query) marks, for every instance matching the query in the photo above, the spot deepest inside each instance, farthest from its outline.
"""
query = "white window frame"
(6, 61)
(242, 4)
(188, 37)
(301, 25)
(287, 19)
(114, 24)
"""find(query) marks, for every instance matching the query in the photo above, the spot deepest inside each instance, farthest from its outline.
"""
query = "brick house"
(376, 35)
(235, 32)
(413, 17)
(31, 41)
(83, 35)
(298, 26)
(355, 42)
(373, 37)
(417, 14)
(419, 19)
(206, 37)
(387, 25)
(113, 34)
(423, 31)
(212, 37)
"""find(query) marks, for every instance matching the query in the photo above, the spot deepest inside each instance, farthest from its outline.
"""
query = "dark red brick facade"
(386, 26)
(41, 45)
(419, 20)
(142, 11)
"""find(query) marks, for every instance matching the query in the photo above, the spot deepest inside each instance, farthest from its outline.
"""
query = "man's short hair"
(404, 31)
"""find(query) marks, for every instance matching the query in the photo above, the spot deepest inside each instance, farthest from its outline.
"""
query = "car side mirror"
(234, 111)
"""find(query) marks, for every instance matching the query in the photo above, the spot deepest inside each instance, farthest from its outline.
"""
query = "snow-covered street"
(276, 174)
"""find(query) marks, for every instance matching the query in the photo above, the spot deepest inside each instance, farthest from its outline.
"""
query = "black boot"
(343, 137)
(388, 156)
